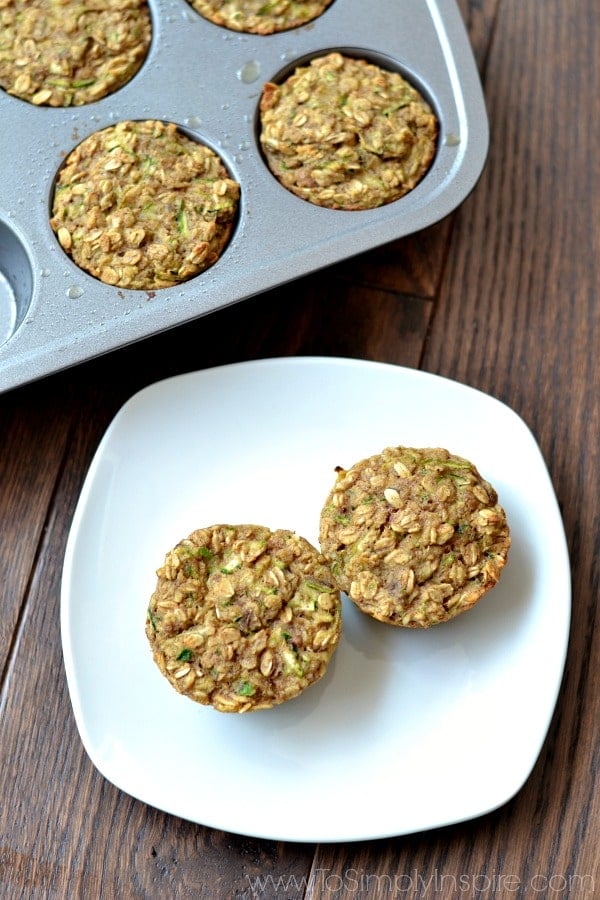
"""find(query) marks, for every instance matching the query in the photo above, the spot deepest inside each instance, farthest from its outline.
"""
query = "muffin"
(258, 17)
(140, 205)
(67, 53)
(346, 134)
(414, 536)
(243, 618)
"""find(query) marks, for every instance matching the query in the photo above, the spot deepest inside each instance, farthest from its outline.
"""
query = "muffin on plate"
(68, 53)
(258, 17)
(346, 134)
(414, 536)
(140, 205)
(242, 617)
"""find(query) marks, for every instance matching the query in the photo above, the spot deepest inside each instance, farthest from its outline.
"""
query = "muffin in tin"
(68, 53)
(140, 205)
(258, 16)
(414, 536)
(347, 134)
(242, 617)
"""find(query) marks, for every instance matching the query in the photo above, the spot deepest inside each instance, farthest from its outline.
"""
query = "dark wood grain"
(33, 436)
(502, 295)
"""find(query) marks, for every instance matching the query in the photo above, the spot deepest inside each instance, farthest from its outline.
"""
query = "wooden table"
(504, 296)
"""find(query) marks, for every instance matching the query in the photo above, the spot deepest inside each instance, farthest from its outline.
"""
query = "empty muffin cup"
(16, 282)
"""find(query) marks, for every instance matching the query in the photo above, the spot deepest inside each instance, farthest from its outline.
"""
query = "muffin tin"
(208, 80)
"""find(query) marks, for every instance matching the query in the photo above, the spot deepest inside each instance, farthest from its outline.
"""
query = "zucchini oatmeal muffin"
(243, 618)
(140, 205)
(346, 134)
(258, 16)
(67, 53)
(414, 536)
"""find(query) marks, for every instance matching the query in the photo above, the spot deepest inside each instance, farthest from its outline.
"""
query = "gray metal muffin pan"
(208, 81)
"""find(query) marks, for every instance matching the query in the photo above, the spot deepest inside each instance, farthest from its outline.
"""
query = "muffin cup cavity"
(141, 205)
(65, 55)
(342, 130)
(258, 17)
(16, 282)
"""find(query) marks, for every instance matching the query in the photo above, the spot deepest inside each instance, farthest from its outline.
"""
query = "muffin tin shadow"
(208, 80)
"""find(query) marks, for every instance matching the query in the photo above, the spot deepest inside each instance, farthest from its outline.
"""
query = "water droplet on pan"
(74, 292)
(249, 72)
(452, 140)
(193, 121)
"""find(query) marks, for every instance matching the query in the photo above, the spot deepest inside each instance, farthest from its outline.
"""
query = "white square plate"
(408, 730)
